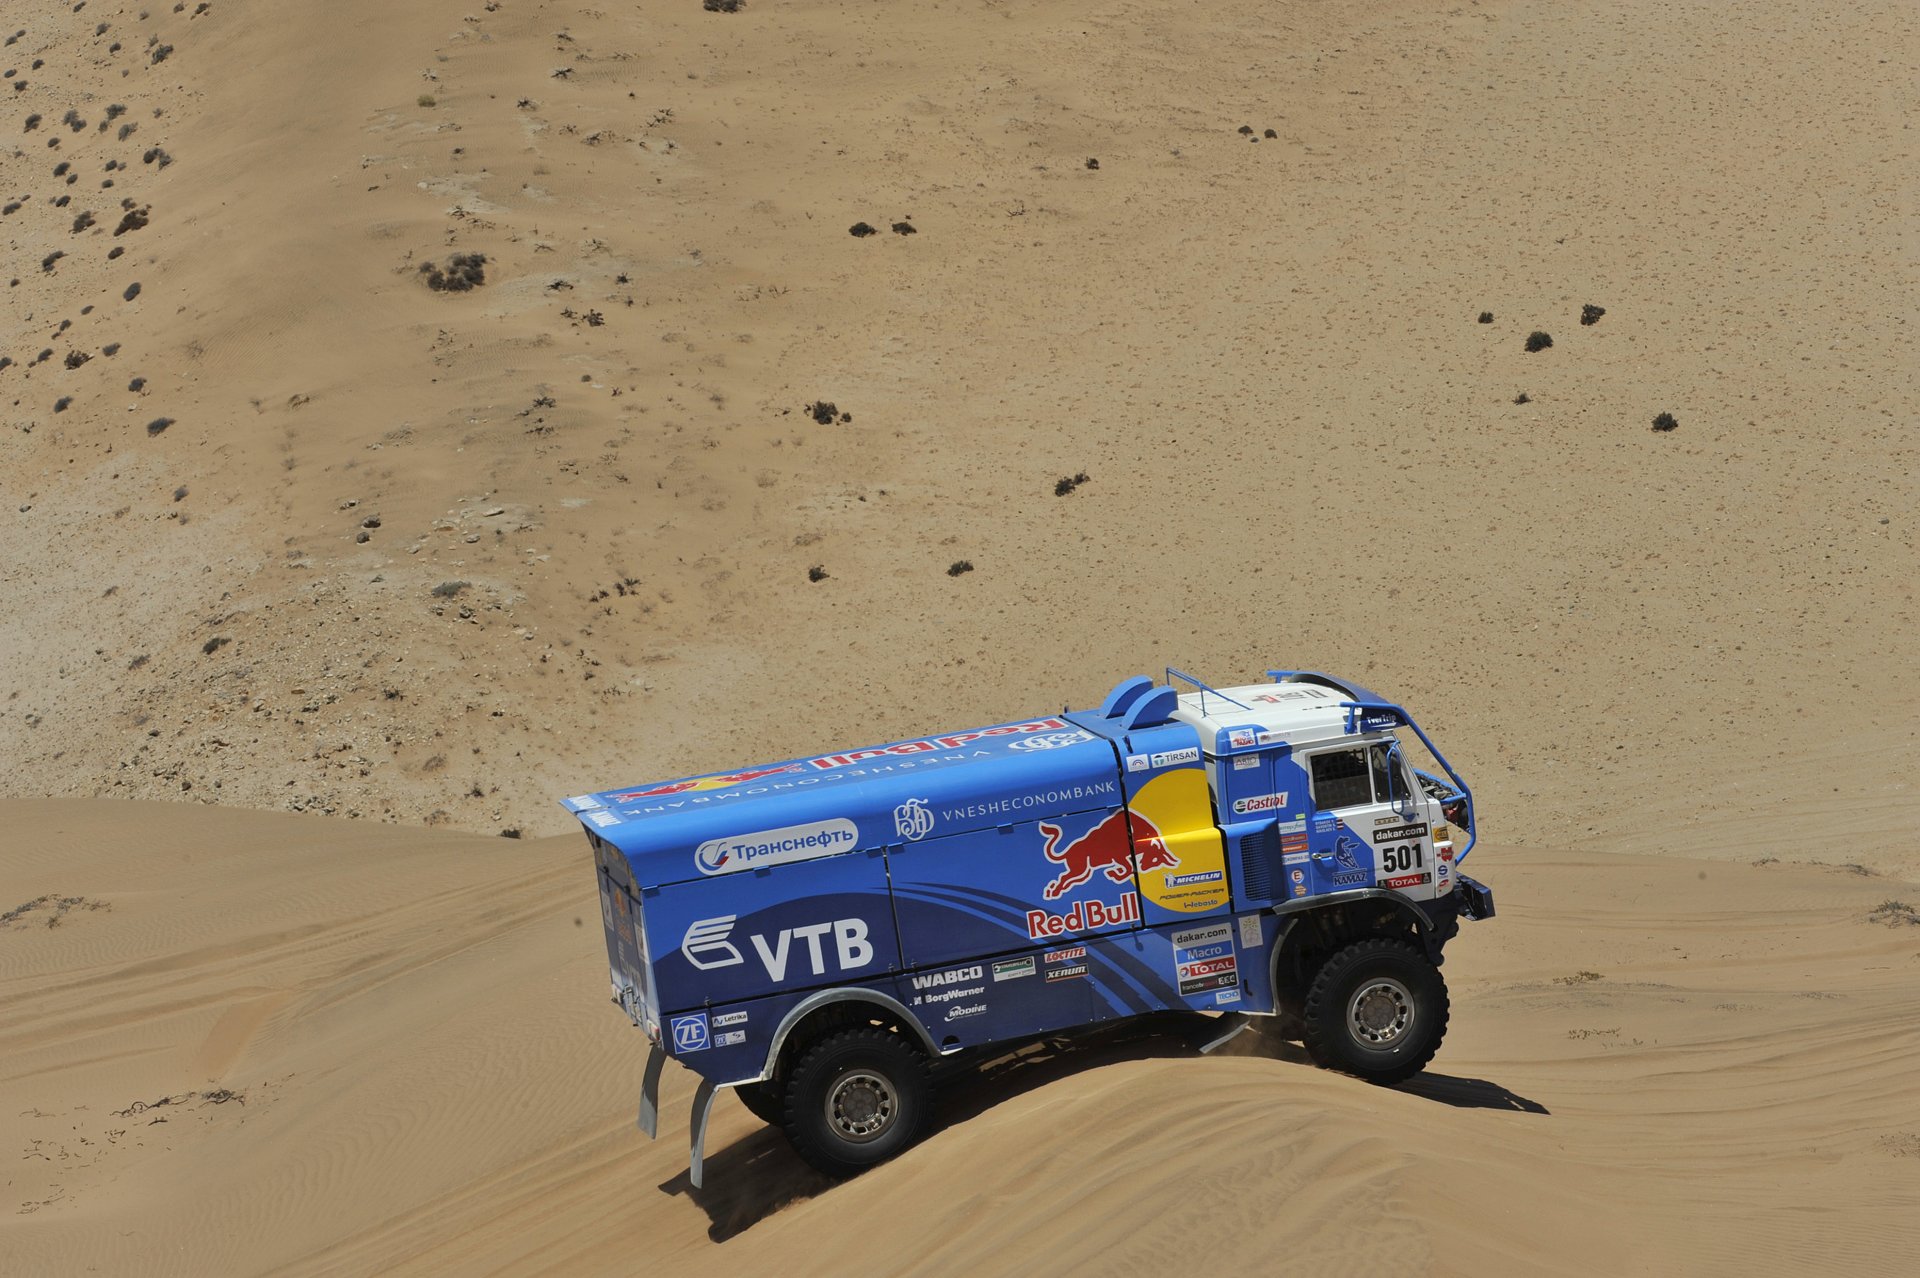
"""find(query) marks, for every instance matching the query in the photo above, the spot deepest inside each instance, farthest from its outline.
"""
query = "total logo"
(1049, 741)
(913, 820)
(708, 945)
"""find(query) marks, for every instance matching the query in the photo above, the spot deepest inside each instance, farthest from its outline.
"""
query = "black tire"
(763, 1102)
(1377, 1010)
(855, 1099)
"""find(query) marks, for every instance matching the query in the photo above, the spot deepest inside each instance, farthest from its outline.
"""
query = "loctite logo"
(1085, 916)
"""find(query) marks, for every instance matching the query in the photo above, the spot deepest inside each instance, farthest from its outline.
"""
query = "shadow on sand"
(753, 1178)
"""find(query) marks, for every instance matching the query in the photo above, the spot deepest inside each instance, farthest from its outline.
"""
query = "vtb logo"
(708, 945)
(1104, 847)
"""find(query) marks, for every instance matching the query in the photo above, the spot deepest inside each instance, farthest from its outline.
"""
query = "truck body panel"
(1007, 882)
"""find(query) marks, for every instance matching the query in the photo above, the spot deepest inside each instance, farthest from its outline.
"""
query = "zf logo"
(689, 1032)
(912, 820)
(707, 945)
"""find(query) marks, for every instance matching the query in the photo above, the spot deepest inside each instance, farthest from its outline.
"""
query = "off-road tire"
(1376, 1010)
(860, 1078)
(763, 1101)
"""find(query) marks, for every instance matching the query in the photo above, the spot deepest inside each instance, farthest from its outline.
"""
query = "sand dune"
(289, 531)
(270, 1042)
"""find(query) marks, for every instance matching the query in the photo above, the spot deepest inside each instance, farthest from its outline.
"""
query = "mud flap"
(1477, 898)
(649, 1120)
(702, 1110)
(1231, 1026)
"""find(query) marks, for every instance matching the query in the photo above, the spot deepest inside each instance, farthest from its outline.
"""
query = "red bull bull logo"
(1106, 847)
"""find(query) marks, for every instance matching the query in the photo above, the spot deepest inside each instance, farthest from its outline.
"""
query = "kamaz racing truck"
(827, 936)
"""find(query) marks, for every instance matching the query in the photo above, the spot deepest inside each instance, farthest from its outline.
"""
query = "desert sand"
(358, 574)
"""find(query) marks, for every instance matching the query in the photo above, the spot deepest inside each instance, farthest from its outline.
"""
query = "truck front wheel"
(1377, 1010)
(855, 1099)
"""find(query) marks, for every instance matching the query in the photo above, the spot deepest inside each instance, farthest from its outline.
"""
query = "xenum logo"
(776, 847)
(913, 820)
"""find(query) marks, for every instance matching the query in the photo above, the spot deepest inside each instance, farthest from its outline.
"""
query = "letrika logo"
(1104, 847)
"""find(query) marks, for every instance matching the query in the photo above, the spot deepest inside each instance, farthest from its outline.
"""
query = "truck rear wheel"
(855, 1099)
(762, 1101)
(1377, 1010)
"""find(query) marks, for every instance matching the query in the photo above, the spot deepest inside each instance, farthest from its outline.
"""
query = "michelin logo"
(789, 843)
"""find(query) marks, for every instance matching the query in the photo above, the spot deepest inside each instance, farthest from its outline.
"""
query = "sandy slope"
(283, 528)
(1302, 448)
(1653, 1068)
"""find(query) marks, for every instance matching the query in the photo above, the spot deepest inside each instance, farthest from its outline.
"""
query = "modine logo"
(707, 945)
(1260, 803)
(775, 847)
(913, 820)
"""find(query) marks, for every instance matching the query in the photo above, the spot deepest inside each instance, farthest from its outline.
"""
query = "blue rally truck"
(828, 935)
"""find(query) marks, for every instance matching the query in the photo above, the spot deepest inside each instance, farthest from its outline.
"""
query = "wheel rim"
(1380, 1013)
(861, 1106)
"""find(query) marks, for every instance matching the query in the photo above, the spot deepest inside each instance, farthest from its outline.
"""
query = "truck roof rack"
(1204, 689)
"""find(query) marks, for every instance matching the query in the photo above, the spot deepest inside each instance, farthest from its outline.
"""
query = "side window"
(1340, 779)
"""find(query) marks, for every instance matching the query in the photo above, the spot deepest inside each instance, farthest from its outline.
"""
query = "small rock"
(860, 231)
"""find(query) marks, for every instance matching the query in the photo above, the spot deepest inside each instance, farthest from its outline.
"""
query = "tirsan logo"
(704, 783)
(933, 980)
(707, 945)
(932, 744)
(775, 847)
(913, 820)
(1049, 741)
(1260, 803)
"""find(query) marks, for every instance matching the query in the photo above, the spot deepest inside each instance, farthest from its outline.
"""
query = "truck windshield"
(1354, 777)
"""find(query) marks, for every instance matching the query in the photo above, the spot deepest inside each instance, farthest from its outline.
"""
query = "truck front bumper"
(1476, 898)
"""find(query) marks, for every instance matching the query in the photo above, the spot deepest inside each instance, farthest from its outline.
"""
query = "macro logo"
(707, 946)
(1049, 741)
(913, 820)
(738, 852)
